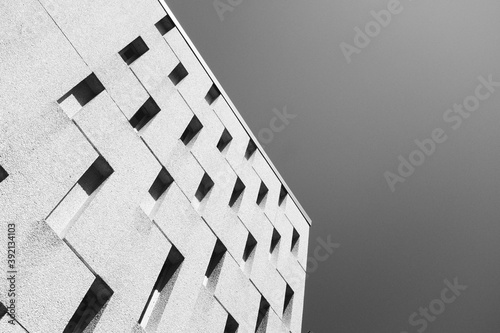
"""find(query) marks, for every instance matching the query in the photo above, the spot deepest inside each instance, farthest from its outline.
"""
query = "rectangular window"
(263, 190)
(295, 241)
(262, 316)
(80, 95)
(274, 248)
(251, 148)
(93, 303)
(134, 50)
(205, 186)
(193, 128)
(151, 203)
(145, 114)
(165, 25)
(231, 325)
(161, 183)
(65, 214)
(3, 311)
(212, 95)
(178, 74)
(214, 266)
(3, 174)
(151, 315)
(249, 254)
(287, 305)
(283, 194)
(249, 247)
(224, 140)
(98, 172)
(238, 189)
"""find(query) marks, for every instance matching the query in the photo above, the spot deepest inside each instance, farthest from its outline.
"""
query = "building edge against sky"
(135, 197)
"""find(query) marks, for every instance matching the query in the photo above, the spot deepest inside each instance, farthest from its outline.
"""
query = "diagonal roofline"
(233, 107)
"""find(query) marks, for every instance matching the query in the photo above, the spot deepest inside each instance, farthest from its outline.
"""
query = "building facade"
(133, 197)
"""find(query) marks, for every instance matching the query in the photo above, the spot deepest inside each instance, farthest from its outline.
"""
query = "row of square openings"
(90, 87)
(99, 294)
(207, 184)
(212, 275)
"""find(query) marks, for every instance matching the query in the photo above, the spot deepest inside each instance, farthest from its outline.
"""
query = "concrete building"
(133, 197)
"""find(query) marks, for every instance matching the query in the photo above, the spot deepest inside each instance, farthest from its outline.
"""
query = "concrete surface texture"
(127, 204)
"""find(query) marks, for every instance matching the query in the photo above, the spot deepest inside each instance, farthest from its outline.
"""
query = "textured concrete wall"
(77, 180)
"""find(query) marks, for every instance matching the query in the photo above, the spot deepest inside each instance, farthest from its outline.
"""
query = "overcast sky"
(353, 122)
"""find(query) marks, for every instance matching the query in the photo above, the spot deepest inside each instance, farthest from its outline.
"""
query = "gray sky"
(353, 121)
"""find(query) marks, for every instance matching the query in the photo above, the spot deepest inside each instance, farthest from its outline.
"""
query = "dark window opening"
(161, 183)
(84, 91)
(275, 240)
(262, 193)
(165, 25)
(193, 128)
(162, 289)
(287, 305)
(239, 187)
(205, 186)
(213, 94)
(231, 325)
(215, 265)
(262, 317)
(98, 172)
(3, 310)
(251, 148)
(134, 50)
(224, 140)
(144, 115)
(89, 309)
(295, 240)
(3, 174)
(283, 194)
(178, 74)
(249, 247)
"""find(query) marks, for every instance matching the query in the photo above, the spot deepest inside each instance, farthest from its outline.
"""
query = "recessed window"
(283, 194)
(205, 186)
(262, 193)
(134, 50)
(275, 239)
(231, 325)
(251, 148)
(162, 290)
(80, 95)
(92, 304)
(287, 305)
(214, 265)
(178, 74)
(239, 187)
(212, 94)
(144, 115)
(98, 172)
(165, 25)
(161, 183)
(295, 241)
(249, 247)
(3, 174)
(224, 140)
(262, 316)
(3, 310)
(193, 128)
